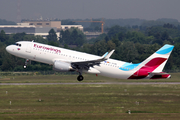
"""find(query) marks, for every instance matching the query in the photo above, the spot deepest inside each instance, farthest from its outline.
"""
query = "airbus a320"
(64, 60)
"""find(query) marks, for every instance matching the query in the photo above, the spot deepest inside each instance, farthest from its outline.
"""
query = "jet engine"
(62, 66)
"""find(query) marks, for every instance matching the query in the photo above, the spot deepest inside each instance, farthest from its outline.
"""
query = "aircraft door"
(28, 48)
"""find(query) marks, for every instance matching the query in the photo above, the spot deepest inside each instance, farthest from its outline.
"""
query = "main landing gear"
(80, 78)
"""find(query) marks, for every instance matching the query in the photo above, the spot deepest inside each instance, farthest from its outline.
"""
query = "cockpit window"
(17, 44)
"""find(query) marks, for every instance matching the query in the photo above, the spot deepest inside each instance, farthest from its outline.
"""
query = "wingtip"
(105, 54)
(109, 55)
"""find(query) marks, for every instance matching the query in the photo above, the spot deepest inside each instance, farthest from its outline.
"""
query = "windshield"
(17, 44)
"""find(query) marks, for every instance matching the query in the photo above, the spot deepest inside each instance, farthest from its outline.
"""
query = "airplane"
(64, 60)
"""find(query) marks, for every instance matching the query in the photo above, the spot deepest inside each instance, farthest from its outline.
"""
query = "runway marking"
(106, 83)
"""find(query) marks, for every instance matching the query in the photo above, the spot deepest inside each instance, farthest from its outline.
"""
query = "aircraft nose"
(8, 49)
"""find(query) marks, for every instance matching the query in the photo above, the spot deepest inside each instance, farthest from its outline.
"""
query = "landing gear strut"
(80, 78)
(26, 62)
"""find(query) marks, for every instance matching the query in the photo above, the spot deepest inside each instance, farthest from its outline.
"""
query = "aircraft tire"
(80, 78)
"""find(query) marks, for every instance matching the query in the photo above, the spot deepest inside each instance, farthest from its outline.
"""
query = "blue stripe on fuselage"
(128, 66)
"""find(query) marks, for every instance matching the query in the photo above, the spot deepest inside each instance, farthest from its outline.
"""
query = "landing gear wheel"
(80, 78)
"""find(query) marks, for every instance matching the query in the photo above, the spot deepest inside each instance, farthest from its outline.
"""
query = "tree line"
(131, 44)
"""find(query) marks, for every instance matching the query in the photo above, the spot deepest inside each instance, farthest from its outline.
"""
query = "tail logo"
(147, 68)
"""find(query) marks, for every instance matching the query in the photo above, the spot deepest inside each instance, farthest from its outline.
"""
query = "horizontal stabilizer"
(158, 73)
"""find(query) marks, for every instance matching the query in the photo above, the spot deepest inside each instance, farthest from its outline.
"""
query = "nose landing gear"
(26, 62)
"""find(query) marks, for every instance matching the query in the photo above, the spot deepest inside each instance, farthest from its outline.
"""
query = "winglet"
(107, 56)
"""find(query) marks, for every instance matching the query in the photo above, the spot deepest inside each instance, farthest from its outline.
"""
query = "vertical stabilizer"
(153, 64)
(158, 60)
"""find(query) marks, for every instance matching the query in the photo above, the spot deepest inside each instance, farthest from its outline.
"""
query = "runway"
(99, 83)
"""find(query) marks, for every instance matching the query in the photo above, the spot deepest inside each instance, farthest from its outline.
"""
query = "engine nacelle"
(62, 66)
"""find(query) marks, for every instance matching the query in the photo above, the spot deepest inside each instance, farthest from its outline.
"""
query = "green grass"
(87, 101)
(33, 78)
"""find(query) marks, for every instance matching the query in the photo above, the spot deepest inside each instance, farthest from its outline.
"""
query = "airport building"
(90, 35)
(45, 24)
(13, 29)
(41, 28)
(53, 24)
(28, 29)
(65, 27)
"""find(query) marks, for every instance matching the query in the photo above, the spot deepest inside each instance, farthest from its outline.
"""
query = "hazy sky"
(74, 9)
